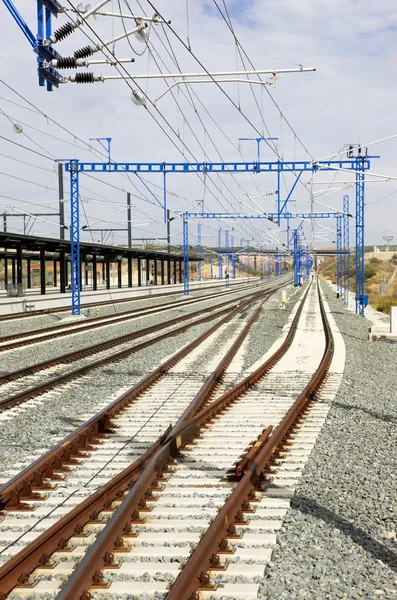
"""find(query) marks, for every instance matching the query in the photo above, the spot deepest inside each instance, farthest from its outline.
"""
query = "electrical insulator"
(68, 62)
(62, 32)
(83, 52)
(86, 78)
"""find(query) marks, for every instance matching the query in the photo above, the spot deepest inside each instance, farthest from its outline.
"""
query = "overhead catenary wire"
(120, 67)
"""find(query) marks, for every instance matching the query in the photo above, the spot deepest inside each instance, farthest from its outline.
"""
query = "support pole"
(220, 266)
(129, 221)
(162, 270)
(261, 262)
(107, 270)
(296, 260)
(129, 268)
(28, 274)
(155, 270)
(175, 274)
(211, 268)
(42, 270)
(61, 203)
(346, 248)
(119, 274)
(139, 271)
(268, 265)
(94, 273)
(147, 264)
(180, 263)
(19, 267)
(249, 260)
(339, 256)
(240, 260)
(277, 263)
(5, 269)
(360, 296)
(5, 223)
(54, 268)
(199, 270)
(168, 231)
(233, 259)
(75, 237)
(227, 257)
(185, 256)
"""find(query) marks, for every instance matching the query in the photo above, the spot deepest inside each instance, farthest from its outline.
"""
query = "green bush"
(393, 259)
(384, 304)
(375, 261)
(369, 271)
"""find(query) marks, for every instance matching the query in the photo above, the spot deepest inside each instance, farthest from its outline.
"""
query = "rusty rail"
(28, 559)
(15, 340)
(90, 566)
(93, 349)
(26, 483)
(206, 552)
(47, 311)
(39, 551)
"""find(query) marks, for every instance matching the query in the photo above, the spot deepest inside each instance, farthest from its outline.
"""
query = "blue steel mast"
(346, 248)
(339, 255)
(361, 299)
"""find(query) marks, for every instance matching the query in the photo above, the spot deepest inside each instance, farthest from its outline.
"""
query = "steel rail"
(32, 478)
(38, 552)
(205, 555)
(46, 311)
(89, 568)
(37, 390)
(30, 337)
(95, 348)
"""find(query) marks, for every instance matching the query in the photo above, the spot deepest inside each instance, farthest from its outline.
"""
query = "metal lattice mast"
(360, 297)
(346, 248)
(220, 254)
(296, 259)
(339, 255)
(199, 270)
(233, 259)
(277, 264)
(185, 256)
(268, 265)
(249, 260)
(227, 257)
(261, 262)
(75, 236)
(240, 260)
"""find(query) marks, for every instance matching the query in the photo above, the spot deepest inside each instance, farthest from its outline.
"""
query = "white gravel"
(339, 538)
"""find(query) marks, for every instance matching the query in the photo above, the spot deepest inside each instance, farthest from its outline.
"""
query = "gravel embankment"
(23, 357)
(339, 538)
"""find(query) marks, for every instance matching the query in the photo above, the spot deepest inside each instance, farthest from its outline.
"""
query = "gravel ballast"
(339, 537)
(59, 415)
(20, 358)
(53, 319)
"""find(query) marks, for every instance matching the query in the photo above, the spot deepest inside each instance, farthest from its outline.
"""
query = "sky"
(350, 98)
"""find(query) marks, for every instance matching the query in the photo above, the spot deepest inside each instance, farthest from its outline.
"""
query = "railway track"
(47, 311)
(30, 382)
(130, 415)
(11, 342)
(184, 500)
